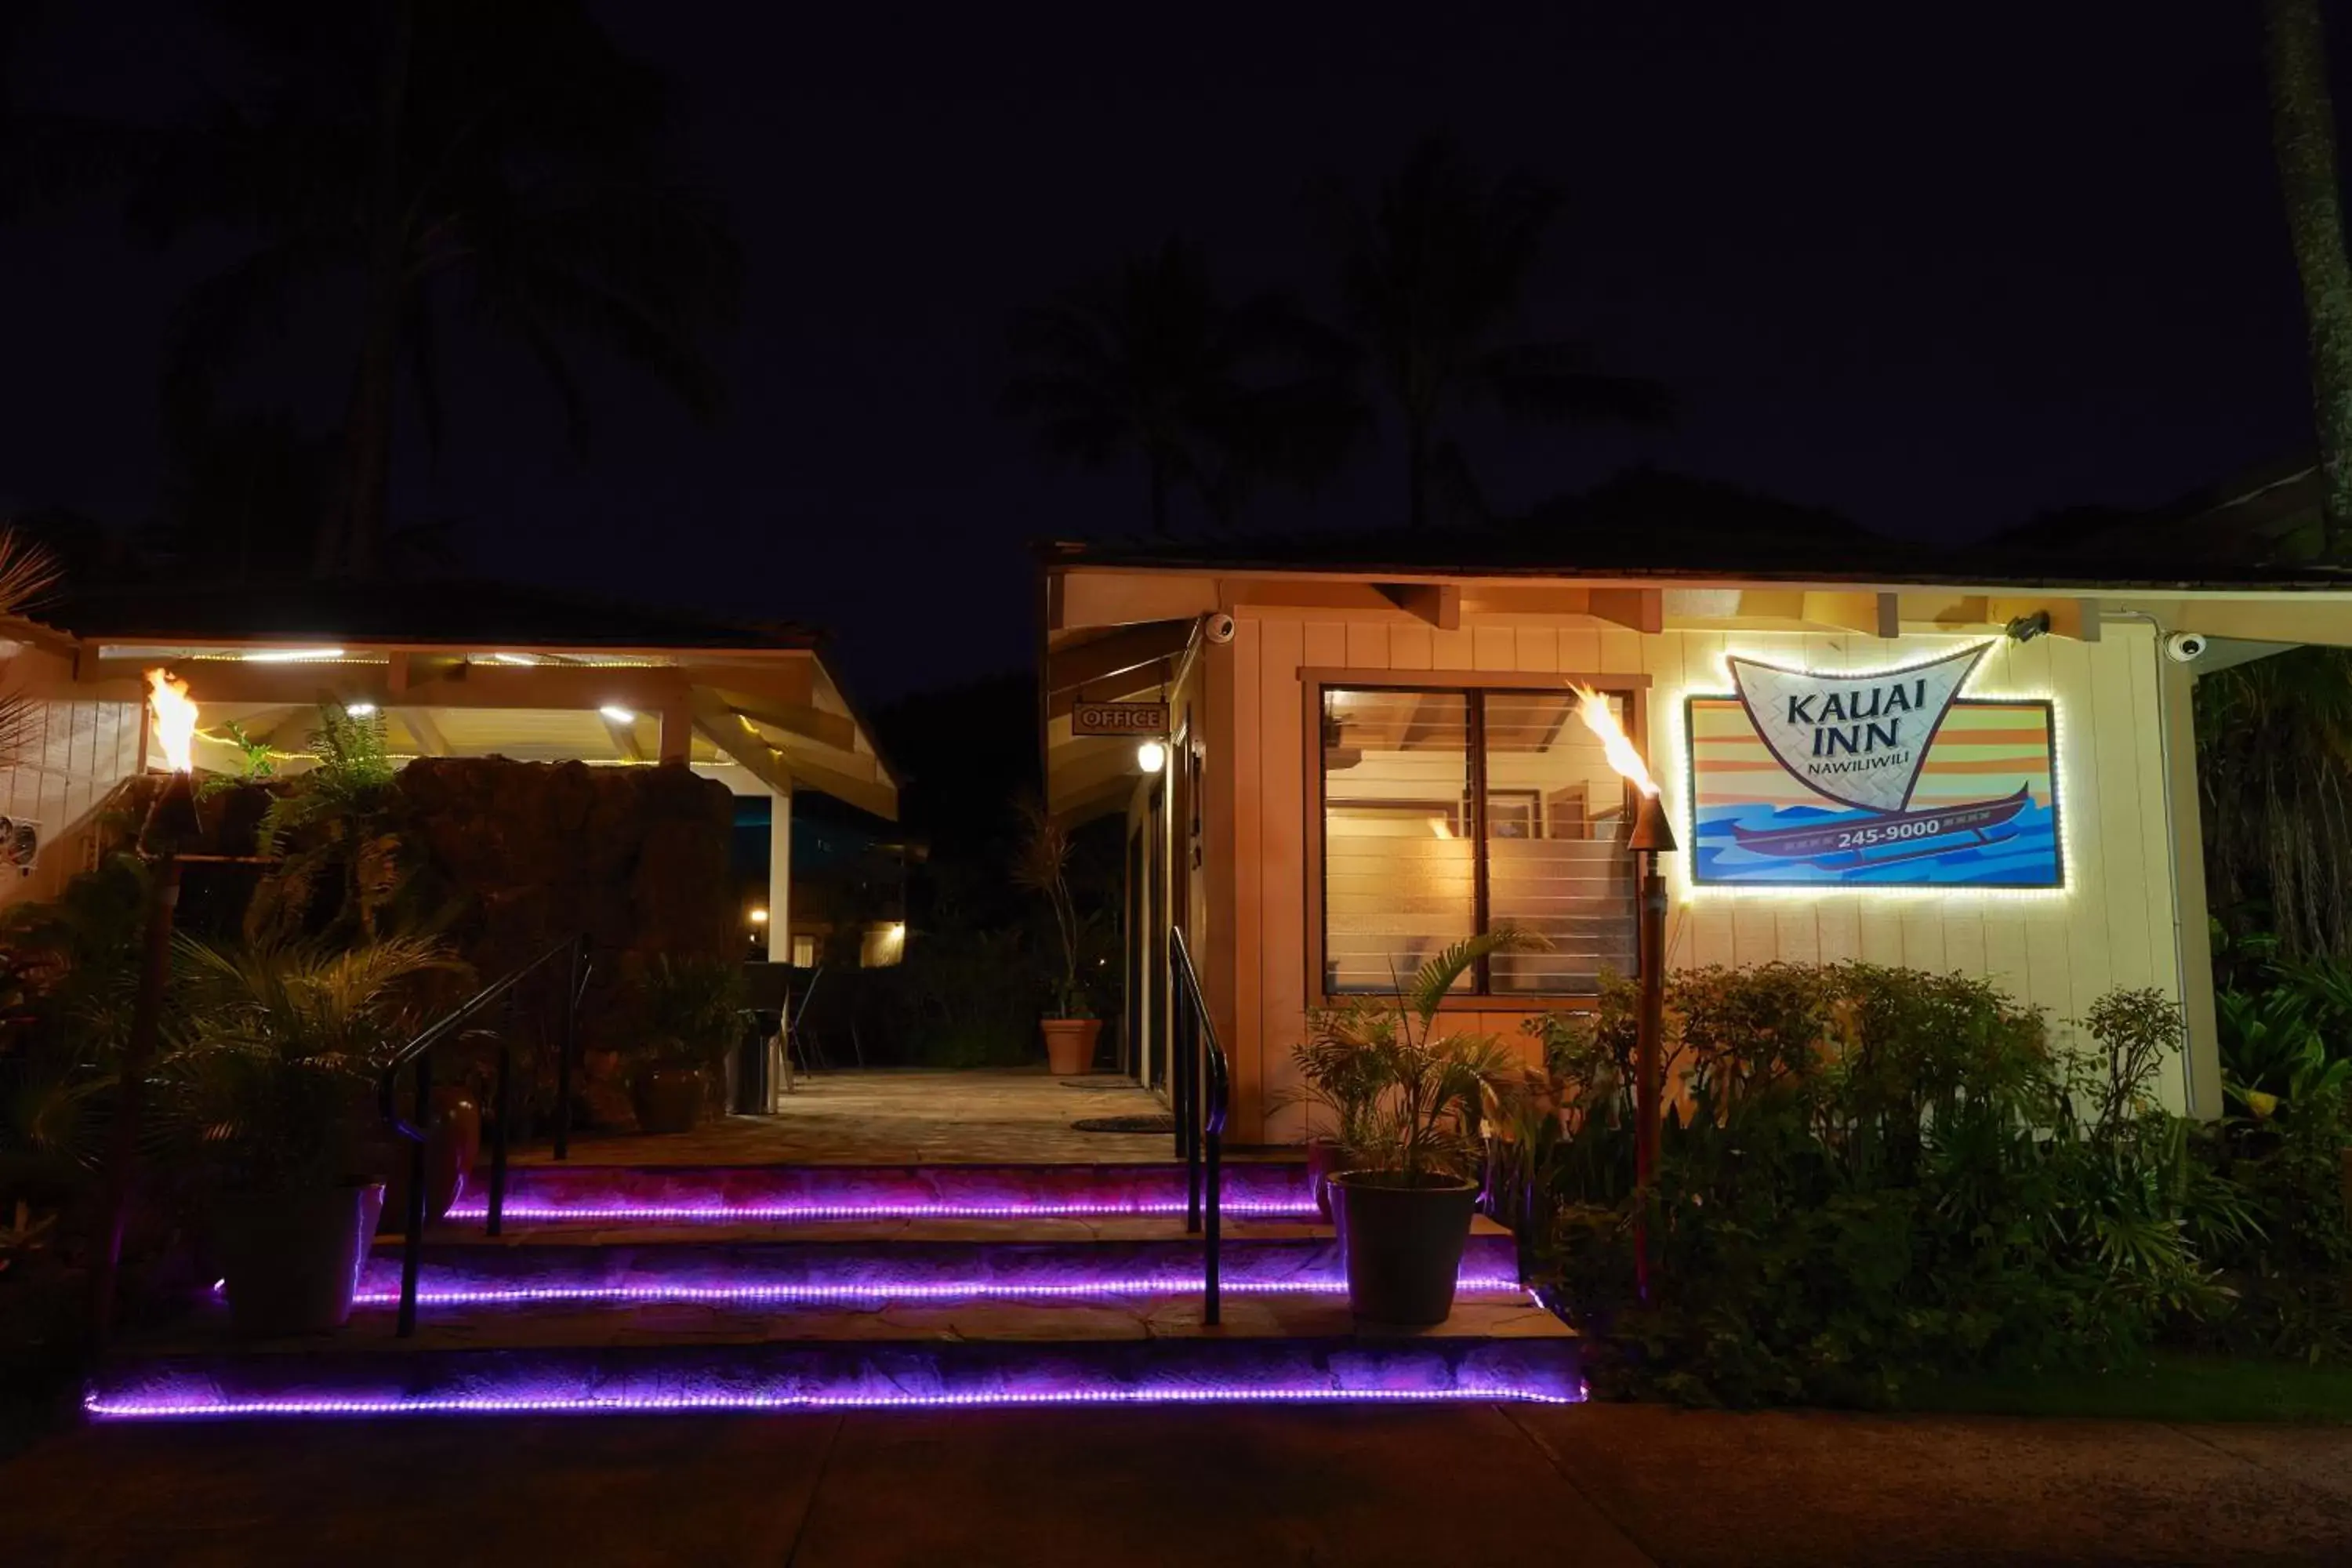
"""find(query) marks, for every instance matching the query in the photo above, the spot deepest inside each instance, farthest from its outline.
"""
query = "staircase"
(623, 1288)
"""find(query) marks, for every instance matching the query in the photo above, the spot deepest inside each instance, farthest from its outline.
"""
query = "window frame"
(1634, 687)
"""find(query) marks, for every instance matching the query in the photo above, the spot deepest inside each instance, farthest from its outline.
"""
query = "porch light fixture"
(757, 916)
(360, 710)
(1151, 756)
(617, 714)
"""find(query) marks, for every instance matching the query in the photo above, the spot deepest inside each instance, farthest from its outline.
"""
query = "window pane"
(1397, 838)
(1556, 861)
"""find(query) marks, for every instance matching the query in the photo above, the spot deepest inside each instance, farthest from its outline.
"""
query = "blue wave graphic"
(2025, 853)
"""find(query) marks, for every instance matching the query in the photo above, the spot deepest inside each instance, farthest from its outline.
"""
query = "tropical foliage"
(1876, 1174)
(1212, 397)
(693, 1011)
(1435, 273)
(1405, 1101)
(2274, 771)
(400, 169)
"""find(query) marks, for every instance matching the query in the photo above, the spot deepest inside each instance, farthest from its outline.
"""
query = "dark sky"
(1938, 268)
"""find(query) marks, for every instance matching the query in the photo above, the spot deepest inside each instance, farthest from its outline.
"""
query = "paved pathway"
(1359, 1488)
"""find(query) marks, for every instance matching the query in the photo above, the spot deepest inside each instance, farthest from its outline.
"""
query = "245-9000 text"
(1892, 833)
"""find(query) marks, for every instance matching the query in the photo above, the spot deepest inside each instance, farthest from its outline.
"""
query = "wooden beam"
(1874, 615)
(1076, 664)
(625, 738)
(428, 733)
(1112, 689)
(1526, 599)
(781, 770)
(834, 730)
(1311, 594)
(645, 689)
(1642, 609)
(677, 715)
(1439, 604)
(1112, 598)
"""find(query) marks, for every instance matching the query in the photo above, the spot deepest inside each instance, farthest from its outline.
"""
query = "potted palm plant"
(1406, 1200)
(1070, 1026)
(281, 1046)
(693, 1017)
(1339, 1084)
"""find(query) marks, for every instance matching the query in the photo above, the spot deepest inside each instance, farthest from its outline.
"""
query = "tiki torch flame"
(175, 719)
(1592, 709)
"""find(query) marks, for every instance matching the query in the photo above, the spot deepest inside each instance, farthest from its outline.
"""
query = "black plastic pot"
(292, 1260)
(1323, 1157)
(1403, 1244)
(670, 1100)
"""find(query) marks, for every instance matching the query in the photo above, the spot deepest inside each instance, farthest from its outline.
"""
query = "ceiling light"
(618, 715)
(514, 659)
(289, 655)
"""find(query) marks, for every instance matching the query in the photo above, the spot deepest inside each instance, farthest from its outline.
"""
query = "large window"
(1447, 813)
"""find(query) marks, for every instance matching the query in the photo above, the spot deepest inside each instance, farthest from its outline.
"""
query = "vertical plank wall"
(2113, 925)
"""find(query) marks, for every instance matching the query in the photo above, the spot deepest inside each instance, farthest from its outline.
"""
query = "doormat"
(1125, 1124)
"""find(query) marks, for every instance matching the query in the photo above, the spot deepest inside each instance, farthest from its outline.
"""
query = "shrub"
(1871, 1173)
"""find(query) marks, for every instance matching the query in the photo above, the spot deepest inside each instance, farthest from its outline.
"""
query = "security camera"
(2184, 647)
(1220, 627)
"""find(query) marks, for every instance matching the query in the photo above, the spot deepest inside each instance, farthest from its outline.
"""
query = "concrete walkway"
(1598, 1484)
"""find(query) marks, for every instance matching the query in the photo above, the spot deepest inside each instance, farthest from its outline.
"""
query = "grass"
(2172, 1386)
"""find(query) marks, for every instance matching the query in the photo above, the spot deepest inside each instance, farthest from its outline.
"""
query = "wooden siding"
(2113, 925)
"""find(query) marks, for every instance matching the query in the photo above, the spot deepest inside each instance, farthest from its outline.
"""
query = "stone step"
(937, 1260)
(609, 1196)
(1099, 1350)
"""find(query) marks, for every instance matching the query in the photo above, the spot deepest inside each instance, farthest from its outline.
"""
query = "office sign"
(1887, 779)
(1129, 719)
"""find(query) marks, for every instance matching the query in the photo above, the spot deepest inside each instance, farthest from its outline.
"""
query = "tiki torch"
(1652, 837)
(170, 818)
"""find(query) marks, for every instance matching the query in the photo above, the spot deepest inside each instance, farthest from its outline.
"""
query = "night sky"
(1940, 269)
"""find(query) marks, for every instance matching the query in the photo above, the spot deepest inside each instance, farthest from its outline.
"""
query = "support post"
(1652, 837)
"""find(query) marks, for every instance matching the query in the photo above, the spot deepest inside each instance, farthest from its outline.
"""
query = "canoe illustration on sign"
(1862, 742)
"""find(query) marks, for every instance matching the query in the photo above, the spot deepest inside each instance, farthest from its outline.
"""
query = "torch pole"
(1647, 1087)
(1653, 838)
(138, 1051)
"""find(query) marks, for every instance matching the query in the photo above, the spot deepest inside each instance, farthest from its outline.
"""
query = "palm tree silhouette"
(1434, 276)
(1150, 362)
(413, 147)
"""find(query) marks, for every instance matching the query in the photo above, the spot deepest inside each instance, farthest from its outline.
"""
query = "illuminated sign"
(1887, 779)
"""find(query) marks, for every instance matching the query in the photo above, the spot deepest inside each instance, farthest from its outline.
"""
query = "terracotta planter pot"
(1322, 1159)
(454, 1144)
(1070, 1043)
(292, 1260)
(670, 1100)
(1404, 1245)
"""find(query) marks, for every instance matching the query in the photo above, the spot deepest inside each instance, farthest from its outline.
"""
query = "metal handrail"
(418, 1053)
(1200, 1112)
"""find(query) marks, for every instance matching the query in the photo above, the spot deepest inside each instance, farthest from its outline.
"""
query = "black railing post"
(503, 1104)
(1188, 1039)
(564, 1055)
(412, 1251)
(1216, 1143)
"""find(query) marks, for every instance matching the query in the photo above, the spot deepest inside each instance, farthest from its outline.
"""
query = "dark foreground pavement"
(1598, 1484)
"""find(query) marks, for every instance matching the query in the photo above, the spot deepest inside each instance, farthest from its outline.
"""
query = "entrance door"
(1153, 992)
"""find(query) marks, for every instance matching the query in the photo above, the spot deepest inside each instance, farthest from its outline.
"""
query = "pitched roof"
(1669, 528)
